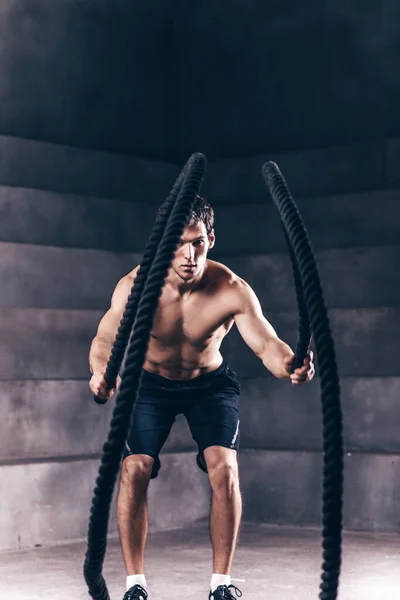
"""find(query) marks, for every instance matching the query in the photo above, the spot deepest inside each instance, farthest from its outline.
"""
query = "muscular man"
(184, 372)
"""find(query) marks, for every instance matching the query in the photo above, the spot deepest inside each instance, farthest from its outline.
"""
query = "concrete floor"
(278, 563)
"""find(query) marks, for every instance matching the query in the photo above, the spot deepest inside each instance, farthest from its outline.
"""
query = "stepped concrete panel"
(347, 220)
(365, 340)
(46, 344)
(33, 164)
(285, 487)
(50, 218)
(54, 219)
(351, 278)
(48, 277)
(314, 172)
(59, 418)
(393, 161)
(36, 276)
(54, 344)
(276, 414)
(44, 503)
(43, 419)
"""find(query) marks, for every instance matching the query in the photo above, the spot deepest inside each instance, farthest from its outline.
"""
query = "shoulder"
(228, 282)
(123, 288)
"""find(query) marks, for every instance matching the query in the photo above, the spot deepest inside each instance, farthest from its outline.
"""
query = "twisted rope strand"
(312, 306)
(128, 318)
(112, 450)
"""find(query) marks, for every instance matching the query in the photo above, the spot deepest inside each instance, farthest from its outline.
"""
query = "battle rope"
(125, 327)
(314, 315)
(120, 423)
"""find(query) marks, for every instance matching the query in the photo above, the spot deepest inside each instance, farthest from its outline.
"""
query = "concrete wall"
(161, 79)
(62, 249)
(145, 80)
(64, 216)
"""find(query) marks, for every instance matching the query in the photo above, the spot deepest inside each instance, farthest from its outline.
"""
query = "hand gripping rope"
(145, 298)
(313, 317)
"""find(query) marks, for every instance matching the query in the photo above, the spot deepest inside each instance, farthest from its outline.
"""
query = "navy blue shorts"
(209, 402)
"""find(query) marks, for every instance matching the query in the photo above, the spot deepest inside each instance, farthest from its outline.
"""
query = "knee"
(224, 477)
(136, 470)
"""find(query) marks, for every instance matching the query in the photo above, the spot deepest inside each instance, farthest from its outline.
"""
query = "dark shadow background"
(232, 79)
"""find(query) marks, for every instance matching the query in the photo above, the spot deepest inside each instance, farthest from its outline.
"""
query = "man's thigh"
(151, 424)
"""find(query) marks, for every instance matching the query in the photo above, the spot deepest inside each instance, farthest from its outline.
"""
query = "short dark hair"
(202, 211)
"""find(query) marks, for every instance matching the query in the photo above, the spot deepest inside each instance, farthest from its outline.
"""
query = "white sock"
(217, 580)
(132, 580)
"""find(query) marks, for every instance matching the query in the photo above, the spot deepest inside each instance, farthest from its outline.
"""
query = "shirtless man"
(184, 372)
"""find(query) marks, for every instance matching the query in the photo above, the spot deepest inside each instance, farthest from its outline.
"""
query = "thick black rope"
(128, 318)
(120, 423)
(312, 307)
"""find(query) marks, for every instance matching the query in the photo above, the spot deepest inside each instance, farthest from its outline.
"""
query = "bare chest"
(196, 320)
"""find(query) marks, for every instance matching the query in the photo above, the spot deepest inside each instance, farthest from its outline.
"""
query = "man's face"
(191, 254)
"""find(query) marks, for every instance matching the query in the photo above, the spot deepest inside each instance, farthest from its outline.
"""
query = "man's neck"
(184, 288)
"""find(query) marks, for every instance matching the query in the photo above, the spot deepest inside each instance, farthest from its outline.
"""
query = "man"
(184, 372)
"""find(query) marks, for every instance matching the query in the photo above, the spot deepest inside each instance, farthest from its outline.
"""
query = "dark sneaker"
(137, 593)
(223, 592)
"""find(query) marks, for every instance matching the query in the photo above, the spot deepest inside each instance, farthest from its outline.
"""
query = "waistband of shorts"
(155, 379)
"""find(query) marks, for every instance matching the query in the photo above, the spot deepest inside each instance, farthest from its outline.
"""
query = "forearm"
(273, 356)
(99, 354)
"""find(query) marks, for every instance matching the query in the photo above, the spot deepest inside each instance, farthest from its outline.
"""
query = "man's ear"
(211, 239)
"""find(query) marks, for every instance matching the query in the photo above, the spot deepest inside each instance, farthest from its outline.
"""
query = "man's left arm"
(261, 337)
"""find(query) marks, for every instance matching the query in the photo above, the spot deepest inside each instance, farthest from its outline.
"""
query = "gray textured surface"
(46, 502)
(46, 344)
(137, 78)
(316, 172)
(351, 278)
(285, 487)
(365, 341)
(278, 563)
(59, 418)
(275, 414)
(51, 218)
(51, 419)
(47, 218)
(53, 344)
(35, 164)
(48, 277)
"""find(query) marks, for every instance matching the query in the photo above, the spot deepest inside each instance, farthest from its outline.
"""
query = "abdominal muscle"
(183, 361)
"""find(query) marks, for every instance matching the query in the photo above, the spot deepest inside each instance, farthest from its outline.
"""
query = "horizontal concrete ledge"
(47, 277)
(62, 220)
(43, 165)
(46, 421)
(277, 415)
(365, 342)
(34, 460)
(48, 344)
(28, 163)
(37, 507)
(53, 278)
(311, 172)
(285, 488)
(352, 278)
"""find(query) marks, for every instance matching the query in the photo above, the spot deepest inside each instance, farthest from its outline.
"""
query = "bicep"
(253, 327)
(109, 324)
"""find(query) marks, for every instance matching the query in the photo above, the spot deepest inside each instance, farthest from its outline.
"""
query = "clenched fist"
(99, 387)
(304, 374)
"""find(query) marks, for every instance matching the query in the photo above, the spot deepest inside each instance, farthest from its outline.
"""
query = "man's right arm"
(102, 344)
